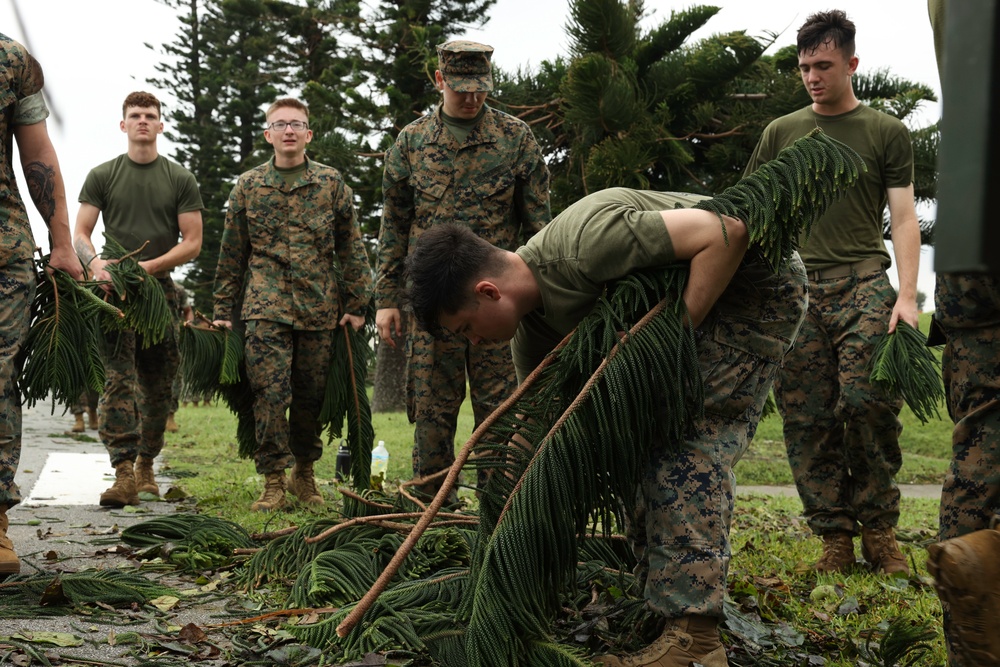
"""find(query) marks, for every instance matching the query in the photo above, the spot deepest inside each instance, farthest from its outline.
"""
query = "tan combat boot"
(966, 573)
(273, 496)
(687, 640)
(122, 492)
(79, 426)
(92, 419)
(171, 426)
(9, 564)
(302, 483)
(838, 553)
(145, 480)
(879, 548)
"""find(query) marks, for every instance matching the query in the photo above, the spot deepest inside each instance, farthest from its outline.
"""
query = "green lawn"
(804, 618)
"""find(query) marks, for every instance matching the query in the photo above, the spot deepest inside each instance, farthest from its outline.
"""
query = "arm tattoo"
(84, 251)
(41, 185)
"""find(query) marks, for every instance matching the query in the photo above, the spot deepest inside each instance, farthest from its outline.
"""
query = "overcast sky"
(94, 54)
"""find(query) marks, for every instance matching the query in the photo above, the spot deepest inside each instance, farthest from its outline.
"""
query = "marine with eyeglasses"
(292, 250)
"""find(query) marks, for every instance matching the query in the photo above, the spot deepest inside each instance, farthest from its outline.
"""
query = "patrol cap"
(466, 66)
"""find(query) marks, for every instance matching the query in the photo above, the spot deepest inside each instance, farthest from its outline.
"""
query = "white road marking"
(70, 478)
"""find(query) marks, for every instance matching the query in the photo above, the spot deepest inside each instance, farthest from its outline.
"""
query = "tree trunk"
(389, 391)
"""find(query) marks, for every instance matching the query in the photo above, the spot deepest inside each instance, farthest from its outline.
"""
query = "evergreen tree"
(220, 74)
(649, 109)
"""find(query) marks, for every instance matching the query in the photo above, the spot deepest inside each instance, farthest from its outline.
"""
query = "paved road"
(76, 534)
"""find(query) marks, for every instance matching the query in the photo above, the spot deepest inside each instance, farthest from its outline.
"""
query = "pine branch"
(903, 368)
(61, 352)
(139, 295)
(346, 397)
(782, 200)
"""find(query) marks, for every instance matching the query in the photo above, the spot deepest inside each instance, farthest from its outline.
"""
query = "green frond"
(902, 367)
(212, 364)
(607, 27)
(193, 542)
(116, 588)
(210, 357)
(783, 199)
(904, 643)
(286, 556)
(346, 398)
(414, 615)
(61, 353)
(137, 294)
(670, 35)
(587, 457)
(601, 97)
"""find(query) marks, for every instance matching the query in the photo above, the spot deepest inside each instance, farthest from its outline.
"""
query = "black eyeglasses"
(280, 125)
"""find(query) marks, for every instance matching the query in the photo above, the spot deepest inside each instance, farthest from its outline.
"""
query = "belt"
(844, 270)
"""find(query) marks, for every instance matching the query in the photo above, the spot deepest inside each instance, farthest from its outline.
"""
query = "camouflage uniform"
(967, 306)
(20, 97)
(496, 182)
(841, 434)
(282, 250)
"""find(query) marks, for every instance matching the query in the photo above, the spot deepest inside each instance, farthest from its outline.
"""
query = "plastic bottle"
(343, 470)
(380, 463)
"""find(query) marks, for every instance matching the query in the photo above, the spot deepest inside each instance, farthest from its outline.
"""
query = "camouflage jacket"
(20, 77)
(294, 255)
(496, 183)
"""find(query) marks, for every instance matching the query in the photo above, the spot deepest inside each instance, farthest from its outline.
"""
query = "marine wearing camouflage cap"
(466, 66)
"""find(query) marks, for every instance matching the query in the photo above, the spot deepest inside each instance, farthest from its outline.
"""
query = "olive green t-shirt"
(600, 238)
(291, 174)
(851, 229)
(141, 202)
(461, 128)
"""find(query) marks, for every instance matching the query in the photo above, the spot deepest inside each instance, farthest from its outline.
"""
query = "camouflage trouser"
(136, 400)
(435, 388)
(841, 434)
(17, 289)
(86, 401)
(287, 370)
(967, 306)
(680, 527)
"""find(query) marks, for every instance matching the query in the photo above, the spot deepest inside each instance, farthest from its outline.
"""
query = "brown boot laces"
(304, 483)
(884, 548)
(144, 473)
(837, 551)
(274, 490)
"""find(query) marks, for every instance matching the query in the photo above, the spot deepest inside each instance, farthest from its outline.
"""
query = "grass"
(770, 577)
(794, 615)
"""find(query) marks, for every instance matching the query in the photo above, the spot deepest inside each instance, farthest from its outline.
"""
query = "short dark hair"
(822, 27)
(141, 99)
(445, 262)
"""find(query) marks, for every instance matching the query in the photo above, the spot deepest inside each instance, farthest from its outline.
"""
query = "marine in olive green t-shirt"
(141, 202)
(600, 238)
(851, 229)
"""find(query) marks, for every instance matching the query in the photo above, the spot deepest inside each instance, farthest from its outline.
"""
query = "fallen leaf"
(63, 639)
(192, 633)
(165, 602)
